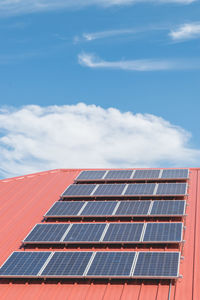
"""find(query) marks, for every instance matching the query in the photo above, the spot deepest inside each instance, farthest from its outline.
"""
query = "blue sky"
(136, 56)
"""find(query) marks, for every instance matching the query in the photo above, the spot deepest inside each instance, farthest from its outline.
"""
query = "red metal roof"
(23, 202)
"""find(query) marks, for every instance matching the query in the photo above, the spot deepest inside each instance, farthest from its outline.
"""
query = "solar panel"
(85, 232)
(175, 173)
(157, 264)
(128, 208)
(140, 189)
(166, 232)
(171, 189)
(99, 208)
(115, 264)
(119, 174)
(24, 264)
(109, 190)
(146, 174)
(67, 264)
(65, 208)
(87, 175)
(168, 207)
(47, 233)
(124, 232)
(92, 264)
(79, 190)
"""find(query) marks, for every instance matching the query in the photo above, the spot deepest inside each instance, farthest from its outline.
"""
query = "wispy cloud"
(13, 7)
(186, 32)
(91, 61)
(105, 34)
(35, 138)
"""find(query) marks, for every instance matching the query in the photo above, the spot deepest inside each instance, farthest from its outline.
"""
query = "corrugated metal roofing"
(24, 201)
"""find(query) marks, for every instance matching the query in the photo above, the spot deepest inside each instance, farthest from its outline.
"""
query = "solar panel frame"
(151, 253)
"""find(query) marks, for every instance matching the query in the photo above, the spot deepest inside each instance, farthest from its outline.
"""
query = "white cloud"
(185, 32)
(105, 34)
(91, 61)
(12, 7)
(35, 138)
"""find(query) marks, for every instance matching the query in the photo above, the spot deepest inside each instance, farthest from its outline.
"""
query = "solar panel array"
(113, 175)
(117, 208)
(121, 190)
(92, 264)
(105, 233)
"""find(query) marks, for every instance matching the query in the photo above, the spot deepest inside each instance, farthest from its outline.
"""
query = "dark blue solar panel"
(47, 233)
(111, 264)
(157, 264)
(171, 189)
(85, 232)
(67, 264)
(24, 263)
(99, 208)
(163, 232)
(146, 174)
(79, 190)
(129, 208)
(123, 232)
(87, 175)
(176, 173)
(65, 208)
(168, 207)
(140, 189)
(109, 190)
(119, 174)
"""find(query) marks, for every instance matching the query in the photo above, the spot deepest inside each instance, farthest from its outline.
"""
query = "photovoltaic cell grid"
(90, 175)
(65, 208)
(138, 189)
(128, 232)
(171, 189)
(126, 208)
(168, 207)
(99, 208)
(146, 174)
(109, 189)
(47, 232)
(160, 264)
(120, 174)
(163, 232)
(128, 174)
(24, 263)
(92, 264)
(85, 232)
(176, 173)
(100, 232)
(79, 190)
